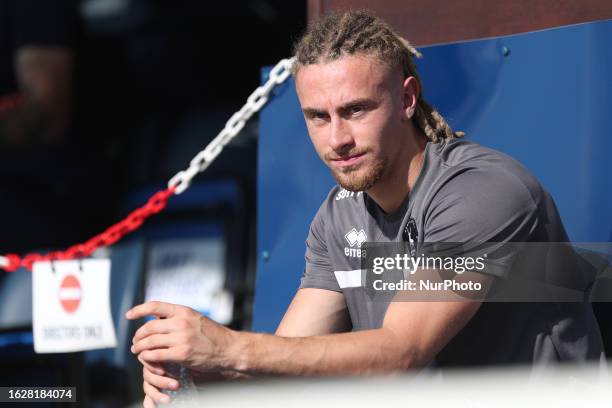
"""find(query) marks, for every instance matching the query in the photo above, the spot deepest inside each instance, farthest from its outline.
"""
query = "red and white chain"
(177, 184)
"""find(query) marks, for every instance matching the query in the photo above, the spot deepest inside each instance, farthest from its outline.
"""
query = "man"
(412, 179)
(37, 53)
(36, 64)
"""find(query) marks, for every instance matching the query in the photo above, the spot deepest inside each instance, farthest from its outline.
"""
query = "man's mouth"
(346, 161)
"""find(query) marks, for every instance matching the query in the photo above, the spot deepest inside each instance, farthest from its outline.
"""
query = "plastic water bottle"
(186, 395)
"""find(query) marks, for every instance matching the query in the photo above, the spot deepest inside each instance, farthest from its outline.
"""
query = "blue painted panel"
(291, 184)
(544, 97)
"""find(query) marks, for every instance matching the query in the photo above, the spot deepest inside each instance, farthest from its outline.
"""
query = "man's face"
(353, 108)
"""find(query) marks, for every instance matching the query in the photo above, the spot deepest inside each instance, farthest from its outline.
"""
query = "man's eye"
(356, 110)
(318, 116)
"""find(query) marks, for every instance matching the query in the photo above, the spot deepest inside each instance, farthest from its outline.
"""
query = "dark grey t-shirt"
(465, 192)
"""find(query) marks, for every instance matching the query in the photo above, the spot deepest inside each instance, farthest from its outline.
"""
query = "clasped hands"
(178, 335)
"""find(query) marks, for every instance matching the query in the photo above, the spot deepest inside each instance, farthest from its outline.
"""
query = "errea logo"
(355, 239)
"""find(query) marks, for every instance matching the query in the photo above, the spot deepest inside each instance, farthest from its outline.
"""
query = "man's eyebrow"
(312, 111)
(362, 102)
(365, 102)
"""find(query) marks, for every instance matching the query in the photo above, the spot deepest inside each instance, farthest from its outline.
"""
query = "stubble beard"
(356, 179)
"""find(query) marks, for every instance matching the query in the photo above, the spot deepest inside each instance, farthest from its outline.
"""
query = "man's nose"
(340, 137)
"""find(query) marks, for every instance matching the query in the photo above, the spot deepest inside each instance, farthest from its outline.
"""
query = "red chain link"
(111, 235)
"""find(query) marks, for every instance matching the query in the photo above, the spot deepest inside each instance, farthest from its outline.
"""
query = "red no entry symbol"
(70, 294)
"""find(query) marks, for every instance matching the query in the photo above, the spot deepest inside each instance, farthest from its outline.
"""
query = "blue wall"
(543, 97)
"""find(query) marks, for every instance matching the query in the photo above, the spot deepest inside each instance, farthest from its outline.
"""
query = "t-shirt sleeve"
(318, 271)
(483, 214)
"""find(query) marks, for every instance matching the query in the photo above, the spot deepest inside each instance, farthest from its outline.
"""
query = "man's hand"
(154, 381)
(180, 335)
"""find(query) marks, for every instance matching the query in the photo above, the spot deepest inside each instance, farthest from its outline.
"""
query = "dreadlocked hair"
(359, 32)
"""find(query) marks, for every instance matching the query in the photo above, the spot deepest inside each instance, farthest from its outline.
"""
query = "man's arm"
(311, 312)
(411, 335)
(315, 312)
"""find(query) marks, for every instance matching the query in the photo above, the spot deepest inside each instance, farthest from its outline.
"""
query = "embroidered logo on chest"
(355, 239)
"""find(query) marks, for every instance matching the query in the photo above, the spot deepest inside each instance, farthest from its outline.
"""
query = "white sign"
(190, 272)
(71, 306)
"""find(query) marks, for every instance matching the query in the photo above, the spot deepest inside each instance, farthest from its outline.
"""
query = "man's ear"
(411, 92)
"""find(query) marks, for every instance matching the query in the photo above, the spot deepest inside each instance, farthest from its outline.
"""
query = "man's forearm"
(366, 352)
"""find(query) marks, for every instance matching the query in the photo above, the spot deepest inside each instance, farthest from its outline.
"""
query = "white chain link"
(234, 125)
